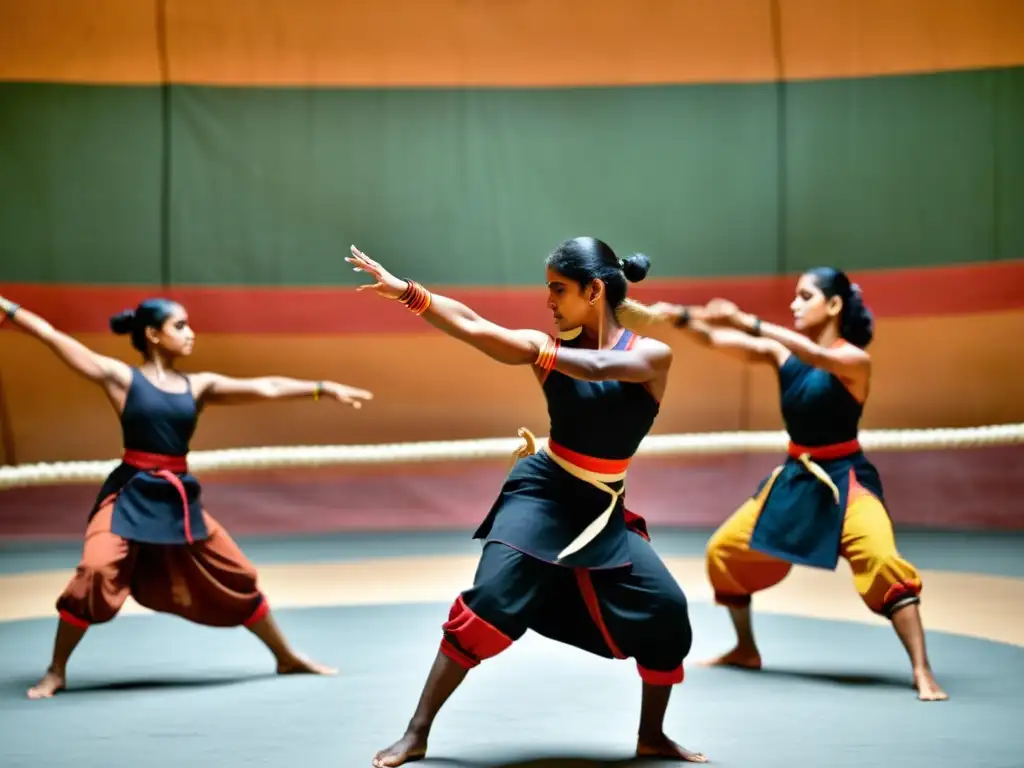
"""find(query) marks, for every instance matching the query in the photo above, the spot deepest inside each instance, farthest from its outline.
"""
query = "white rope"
(701, 444)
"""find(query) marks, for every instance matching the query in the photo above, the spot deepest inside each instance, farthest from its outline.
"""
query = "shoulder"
(856, 361)
(201, 382)
(652, 348)
(651, 345)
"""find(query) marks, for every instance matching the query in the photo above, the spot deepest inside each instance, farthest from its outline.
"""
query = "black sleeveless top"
(155, 421)
(541, 508)
(817, 408)
(149, 508)
(801, 520)
(604, 419)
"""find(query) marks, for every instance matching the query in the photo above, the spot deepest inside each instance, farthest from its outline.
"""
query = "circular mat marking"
(155, 691)
(961, 603)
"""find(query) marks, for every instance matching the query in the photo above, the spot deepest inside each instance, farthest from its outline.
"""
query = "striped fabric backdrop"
(228, 153)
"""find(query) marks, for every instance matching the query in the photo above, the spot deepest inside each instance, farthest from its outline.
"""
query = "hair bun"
(122, 322)
(635, 267)
(858, 322)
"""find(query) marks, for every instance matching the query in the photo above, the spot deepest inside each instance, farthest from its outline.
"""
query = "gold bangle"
(317, 389)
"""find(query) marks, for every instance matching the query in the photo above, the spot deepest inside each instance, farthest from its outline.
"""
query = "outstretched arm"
(734, 343)
(78, 357)
(648, 360)
(213, 388)
(518, 346)
(845, 361)
(512, 347)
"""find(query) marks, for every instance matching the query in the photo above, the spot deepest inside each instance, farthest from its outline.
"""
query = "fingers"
(362, 266)
(359, 255)
(354, 397)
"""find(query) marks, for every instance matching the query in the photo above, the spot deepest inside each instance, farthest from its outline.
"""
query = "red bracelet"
(548, 354)
(416, 298)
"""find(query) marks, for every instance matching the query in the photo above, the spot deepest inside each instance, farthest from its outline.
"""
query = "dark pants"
(636, 612)
(209, 582)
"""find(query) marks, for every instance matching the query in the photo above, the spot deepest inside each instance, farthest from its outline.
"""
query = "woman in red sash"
(148, 534)
(825, 501)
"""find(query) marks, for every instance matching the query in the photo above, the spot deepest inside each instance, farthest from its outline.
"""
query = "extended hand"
(721, 312)
(386, 284)
(347, 395)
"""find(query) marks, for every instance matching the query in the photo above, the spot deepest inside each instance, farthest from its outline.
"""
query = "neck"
(827, 336)
(602, 332)
(160, 364)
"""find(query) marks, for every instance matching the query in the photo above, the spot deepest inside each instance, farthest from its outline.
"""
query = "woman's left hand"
(347, 395)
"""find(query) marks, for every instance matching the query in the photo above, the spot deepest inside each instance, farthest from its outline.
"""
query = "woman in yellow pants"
(825, 501)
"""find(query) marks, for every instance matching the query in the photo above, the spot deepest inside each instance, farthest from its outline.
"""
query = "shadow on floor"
(865, 680)
(17, 688)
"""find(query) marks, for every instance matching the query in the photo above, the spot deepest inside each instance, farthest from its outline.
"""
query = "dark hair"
(856, 323)
(151, 313)
(585, 259)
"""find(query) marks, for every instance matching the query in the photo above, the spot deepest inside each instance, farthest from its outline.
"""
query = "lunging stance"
(562, 555)
(148, 534)
(825, 501)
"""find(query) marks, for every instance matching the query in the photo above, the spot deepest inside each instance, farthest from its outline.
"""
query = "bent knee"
(671, 632)
(673, 609)
(91, 597)
(249, 578)
(890, 583)
(468, 638)
(720, 545)
(720, 555)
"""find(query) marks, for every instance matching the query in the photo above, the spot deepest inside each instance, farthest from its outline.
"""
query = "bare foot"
(300, 665)
(662, 746)
(412, 746)
(744, 658)
(49, 685)
(927, 688)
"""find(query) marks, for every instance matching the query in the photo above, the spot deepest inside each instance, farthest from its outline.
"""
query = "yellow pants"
(884, 580)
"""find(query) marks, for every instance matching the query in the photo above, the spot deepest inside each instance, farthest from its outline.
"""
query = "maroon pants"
(209, 582)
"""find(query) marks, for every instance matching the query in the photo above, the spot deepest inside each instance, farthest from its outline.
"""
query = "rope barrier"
(306, 456)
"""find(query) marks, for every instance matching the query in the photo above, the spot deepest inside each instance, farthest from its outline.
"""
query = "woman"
(148, 534)
(826, 500)
(561, 554)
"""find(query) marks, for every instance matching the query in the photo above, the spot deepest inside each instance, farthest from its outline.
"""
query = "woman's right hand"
(721, 312)
(386, 284)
